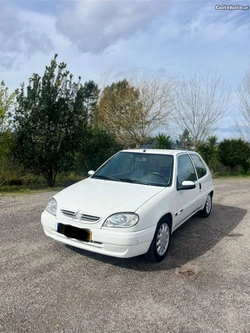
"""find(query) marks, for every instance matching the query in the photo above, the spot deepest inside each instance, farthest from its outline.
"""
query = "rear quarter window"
(199, 165)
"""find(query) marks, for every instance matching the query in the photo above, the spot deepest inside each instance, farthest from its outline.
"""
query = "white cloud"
(203, 24)
(18, 67)
(92, 36)
(94, 26)
(17, 37)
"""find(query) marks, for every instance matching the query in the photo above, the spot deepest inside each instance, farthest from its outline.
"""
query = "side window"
(185, 170)
(199, 165)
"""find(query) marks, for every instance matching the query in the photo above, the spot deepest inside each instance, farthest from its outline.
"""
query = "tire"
(160, 244)
(205, 212)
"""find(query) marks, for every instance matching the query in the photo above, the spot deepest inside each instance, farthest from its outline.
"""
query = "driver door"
(187, 201)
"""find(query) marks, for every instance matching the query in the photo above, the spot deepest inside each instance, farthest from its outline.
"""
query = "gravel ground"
(202, 286)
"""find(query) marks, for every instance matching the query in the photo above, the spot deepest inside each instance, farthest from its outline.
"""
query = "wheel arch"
(167, 218)
(212, 193)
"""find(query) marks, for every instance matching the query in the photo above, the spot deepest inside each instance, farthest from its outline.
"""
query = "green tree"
(210, 152)
(235, 152)
(162, 141)
(90, 96)
(49, 121)
(93, 152)
(185, 142)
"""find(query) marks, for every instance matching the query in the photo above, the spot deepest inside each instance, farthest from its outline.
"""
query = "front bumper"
(117, 243)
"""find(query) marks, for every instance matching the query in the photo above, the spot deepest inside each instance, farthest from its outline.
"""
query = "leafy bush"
(30, 179)
(66, 179)
(95, 149)
(235, 153)
(162, 141)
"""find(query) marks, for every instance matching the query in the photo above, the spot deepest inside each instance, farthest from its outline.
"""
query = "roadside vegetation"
(55, 128)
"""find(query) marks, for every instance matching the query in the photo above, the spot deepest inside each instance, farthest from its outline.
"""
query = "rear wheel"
(160, 243)
(205, 212)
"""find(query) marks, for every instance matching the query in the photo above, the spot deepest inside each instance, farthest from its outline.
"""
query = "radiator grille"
(83, 217)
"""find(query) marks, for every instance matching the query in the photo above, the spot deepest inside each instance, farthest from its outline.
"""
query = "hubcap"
(208, 204)
(162, 239)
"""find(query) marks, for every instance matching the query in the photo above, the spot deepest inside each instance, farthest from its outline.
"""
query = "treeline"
(227, 157)
(59, 128)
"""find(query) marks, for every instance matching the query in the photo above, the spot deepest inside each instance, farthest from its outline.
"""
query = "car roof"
(158, 151)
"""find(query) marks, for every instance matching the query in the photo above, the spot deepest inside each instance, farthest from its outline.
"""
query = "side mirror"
(186, 185)
(91, 172)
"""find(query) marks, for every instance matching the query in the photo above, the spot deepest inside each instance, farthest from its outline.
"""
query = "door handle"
(200, 186)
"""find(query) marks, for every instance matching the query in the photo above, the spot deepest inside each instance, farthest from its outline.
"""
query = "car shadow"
(191, 240)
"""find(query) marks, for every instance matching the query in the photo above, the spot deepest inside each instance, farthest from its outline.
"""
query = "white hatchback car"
(132, 204)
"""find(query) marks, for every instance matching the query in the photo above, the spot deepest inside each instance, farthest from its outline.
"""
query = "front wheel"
(160, 243)
(205, 212)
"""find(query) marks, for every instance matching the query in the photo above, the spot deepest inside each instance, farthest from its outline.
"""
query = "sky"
(173, 37)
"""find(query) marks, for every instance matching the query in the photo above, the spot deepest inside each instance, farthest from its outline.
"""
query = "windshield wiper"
(102, 177)
(113, 178)
(127, 180)
(130, 180)
(138, 181)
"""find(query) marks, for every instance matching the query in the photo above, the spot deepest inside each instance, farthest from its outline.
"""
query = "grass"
(39, 188)
(18, 190)
(29, 184)
(20, 182)
(242, 175)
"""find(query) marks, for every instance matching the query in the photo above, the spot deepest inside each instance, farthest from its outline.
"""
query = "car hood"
(104, 197)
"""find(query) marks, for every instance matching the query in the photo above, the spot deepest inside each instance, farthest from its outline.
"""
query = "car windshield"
(141, 168)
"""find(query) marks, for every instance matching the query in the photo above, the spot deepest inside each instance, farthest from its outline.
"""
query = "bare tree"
(7, 102)
(243, 121)
(132, 111)
(198, 106)
(155, 98)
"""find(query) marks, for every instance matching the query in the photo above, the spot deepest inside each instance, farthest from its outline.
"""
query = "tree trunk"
(50, 178)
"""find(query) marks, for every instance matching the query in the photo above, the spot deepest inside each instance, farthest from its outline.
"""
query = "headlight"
(52, 207)
(121, 220)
